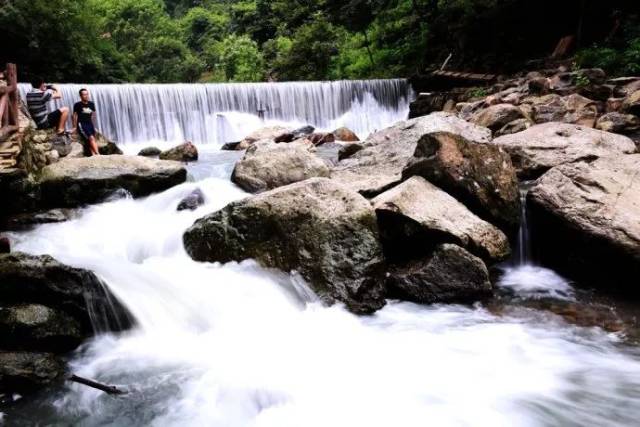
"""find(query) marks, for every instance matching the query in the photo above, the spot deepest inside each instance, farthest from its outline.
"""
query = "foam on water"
(238, 345)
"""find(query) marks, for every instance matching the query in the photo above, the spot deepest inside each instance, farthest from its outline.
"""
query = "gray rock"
(480, 176)
(378, 166)
(618, 123)
(317, 227)
(416, 215)
(192, 201)
(449, 275)
(268, 132)
(631, 104)
(267, 165)
(514, 127)
(27, 220)
(186, 152)
(541, 147)
(585, 219)
(150, 152)
(75, 182)
(348, 150)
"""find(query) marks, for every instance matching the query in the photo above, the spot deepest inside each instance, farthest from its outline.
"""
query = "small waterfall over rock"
(219, 113)
(523, 246)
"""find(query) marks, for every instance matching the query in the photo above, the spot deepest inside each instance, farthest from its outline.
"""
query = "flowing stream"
(239, 345)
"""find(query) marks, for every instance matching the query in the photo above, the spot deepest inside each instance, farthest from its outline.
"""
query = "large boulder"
(74, 182)
(317, 227)
(267, 165)
(586, 220)
(480, 176)
(449, 275)
(541, 147)
(378, 166)
(618, 123)
(185, 152)
(268, 132)
(631, 103)
(415, 216)
(48, 309)
(497, 116)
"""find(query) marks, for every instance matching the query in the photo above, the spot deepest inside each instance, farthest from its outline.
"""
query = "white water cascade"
(219, 113)
(238, 345)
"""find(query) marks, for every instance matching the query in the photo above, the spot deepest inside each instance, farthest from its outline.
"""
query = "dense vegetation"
(256, 40)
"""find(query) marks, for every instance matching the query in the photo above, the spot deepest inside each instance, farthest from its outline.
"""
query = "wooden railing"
(9, 103)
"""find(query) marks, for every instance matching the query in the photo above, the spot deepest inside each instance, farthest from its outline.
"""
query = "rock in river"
(585, 220)
(317, 227)
(480, 176)
(186, 152)
(416, 216)
(267, 165)
(75, 182)
(541, 147)
(449, 275)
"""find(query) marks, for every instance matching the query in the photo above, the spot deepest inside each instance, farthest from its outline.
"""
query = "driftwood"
(109, 389)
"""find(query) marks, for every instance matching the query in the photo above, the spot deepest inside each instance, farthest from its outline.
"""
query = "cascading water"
(219, 113)
(238, 345)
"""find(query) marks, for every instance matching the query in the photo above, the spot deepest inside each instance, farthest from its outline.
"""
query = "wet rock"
(497, 116)
(321, 138)
(585, 216)
(269, 132)
(449, 275)
(26, 220)
(186, 152)
(105, 146)
(618, 123)
(75, 182)
(150, 152)
(348, 150)
(23, 372)
(480, 176)
(378, 166)
(415, 216)
(541, 147)
(79, 294)
(317, 227)
(39, 328)
(231, 146)
(295, 134)
(267, 165)
(192, 201)
(345, 134)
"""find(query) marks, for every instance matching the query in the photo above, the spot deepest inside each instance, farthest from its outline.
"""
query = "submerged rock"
(378, 166)
(316, 227)
(480, 176)
(267, 165)
(75, 182)
(186, 152)
(449, 275)
(541, 147)
(192, 201)
(415, 216)
(585, 220)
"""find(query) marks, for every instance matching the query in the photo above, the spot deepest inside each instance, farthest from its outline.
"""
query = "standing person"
(37, 100)
(84, 116)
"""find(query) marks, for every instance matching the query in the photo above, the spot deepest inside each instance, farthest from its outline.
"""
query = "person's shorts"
(53, 118)
(86, 130)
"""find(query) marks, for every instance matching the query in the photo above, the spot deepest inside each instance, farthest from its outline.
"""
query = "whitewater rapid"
(238, 345)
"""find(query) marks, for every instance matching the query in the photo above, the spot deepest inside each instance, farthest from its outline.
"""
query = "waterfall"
(523, 245)
(219, 113)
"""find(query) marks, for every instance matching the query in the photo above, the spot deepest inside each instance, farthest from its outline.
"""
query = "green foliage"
(477, 92)
(237, 58)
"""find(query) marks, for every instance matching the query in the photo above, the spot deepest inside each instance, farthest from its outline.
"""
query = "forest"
(282, 40)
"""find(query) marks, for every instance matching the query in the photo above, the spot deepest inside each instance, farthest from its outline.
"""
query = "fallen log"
(109, 389)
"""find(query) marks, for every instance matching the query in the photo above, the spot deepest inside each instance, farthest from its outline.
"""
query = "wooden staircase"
(9, 146)
(9, 152)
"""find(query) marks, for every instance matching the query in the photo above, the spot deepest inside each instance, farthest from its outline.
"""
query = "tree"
(237, 58)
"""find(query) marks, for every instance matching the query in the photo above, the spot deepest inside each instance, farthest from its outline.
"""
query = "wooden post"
(12, 83)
